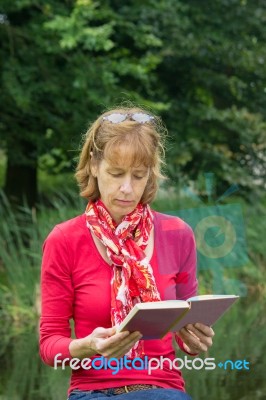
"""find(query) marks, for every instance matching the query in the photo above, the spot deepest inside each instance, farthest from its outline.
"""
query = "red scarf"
(132, 279)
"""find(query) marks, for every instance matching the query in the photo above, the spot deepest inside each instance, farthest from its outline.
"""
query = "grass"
(239, 335)
(2, 168)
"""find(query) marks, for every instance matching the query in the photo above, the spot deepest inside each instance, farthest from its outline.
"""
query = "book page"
(211, 296)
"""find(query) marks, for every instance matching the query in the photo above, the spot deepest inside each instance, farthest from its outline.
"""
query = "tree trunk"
(21, 183)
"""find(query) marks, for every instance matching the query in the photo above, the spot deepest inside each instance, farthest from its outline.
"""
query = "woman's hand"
(196, 337)
(104, 341)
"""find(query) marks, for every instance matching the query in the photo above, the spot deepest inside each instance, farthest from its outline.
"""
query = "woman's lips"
(125, 202)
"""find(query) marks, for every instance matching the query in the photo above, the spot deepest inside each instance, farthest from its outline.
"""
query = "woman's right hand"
(104, 341)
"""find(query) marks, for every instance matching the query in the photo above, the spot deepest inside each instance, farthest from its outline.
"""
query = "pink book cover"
(154, 323)
(155, 319)
(206, 309)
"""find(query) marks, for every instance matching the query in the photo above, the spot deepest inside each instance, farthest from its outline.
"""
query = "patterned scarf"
(132, 276)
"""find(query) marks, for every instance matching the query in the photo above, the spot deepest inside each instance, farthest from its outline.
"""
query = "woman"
(119, 252)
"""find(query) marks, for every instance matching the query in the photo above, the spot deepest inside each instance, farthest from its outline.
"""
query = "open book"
(155, 319)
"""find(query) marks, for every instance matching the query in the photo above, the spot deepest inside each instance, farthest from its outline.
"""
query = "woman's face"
(121, 187)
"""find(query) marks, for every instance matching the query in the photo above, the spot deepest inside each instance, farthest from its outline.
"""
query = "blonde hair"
(137, 144)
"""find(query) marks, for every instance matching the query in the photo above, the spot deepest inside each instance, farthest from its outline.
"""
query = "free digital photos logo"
(220, 235)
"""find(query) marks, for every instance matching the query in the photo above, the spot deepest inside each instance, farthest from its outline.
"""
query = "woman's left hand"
(196, 337)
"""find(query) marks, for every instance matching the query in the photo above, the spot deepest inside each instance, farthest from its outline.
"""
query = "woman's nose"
(126, 187)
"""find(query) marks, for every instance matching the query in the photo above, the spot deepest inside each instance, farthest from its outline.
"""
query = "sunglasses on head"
(116, 118)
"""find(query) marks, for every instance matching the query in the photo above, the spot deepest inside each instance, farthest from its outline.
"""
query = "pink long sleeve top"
(75, 284)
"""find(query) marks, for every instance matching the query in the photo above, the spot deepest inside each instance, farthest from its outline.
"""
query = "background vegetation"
(201, 67)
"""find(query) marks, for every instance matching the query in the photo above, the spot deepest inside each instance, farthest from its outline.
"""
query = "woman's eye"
(116, 175)
(121, 174)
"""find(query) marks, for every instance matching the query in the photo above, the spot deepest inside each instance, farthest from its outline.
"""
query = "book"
(155, 319)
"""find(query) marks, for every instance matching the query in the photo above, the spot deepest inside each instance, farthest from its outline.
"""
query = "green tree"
(62, 63)
(213, 73)
(201, 65)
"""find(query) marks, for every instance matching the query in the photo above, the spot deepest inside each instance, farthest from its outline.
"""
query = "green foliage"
(60, 67)
(200, 65)
(213, 74)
